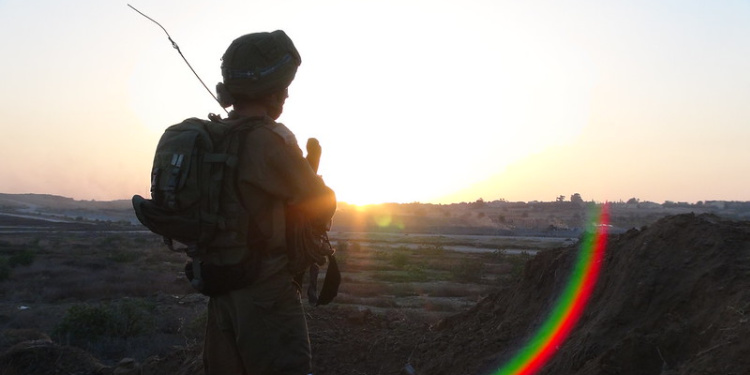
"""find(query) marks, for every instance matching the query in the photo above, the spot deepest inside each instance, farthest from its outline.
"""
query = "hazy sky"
(429, 101)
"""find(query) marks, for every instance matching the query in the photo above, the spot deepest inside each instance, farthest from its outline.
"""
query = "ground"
(672, 298)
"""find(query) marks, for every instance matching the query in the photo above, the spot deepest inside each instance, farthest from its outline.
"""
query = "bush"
(123, 256)
(20, 255)
(110, 241)
(4, 269)
(432, 250)
(399, 259)
(85, 323)
(22, 258)
(468, 271)
(417, 273)
(132, 317)
(341, 246)
(341, 252)
(197, 327)
(517, 262)
(409, 274)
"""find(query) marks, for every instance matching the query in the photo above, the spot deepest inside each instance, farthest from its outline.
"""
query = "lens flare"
(571, 303)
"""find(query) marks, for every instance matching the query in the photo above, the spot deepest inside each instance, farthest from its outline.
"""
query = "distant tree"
(633, 201)
(561, 198)
(479, 203)
(576, 198)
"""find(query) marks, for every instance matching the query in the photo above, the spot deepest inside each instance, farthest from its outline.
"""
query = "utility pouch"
(217, 280)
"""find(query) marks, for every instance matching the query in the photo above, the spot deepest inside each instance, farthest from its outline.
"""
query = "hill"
(673, 298)
(46, 206)
(557, 218)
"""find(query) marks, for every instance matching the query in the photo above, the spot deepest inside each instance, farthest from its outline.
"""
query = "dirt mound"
(344, 341)
(672, 298)
(43, 357)
(347, 341)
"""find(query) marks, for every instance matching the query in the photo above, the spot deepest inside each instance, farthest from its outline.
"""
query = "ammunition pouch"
(214, 280)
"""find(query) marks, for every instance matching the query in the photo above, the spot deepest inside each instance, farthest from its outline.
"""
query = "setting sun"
(412, 101)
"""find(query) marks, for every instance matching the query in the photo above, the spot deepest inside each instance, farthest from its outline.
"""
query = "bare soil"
(673, 298)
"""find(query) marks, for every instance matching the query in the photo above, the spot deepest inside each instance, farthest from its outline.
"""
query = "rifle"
(333, 275)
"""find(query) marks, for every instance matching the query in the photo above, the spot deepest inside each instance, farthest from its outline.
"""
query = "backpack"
(192, 203)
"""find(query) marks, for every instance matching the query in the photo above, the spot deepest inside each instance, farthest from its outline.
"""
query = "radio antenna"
(175, 46)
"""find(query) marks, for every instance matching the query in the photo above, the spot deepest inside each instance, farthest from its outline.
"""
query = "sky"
(412, 100)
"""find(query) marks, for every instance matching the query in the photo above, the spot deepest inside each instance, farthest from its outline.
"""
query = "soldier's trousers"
(258, 330)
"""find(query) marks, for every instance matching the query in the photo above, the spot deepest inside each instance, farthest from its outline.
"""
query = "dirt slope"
(673, 298)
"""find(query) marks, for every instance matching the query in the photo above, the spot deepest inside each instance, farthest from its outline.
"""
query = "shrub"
(518, 262)
(132, 317)
(22, 258)
(197, 327)
(416, 272)
(399, 259)
(341, 252)
(110, 241)
(341, 246)
(410, 274)
(468, 271)
(432, 250)
(123, 256)
(4, 269)
(84, 323)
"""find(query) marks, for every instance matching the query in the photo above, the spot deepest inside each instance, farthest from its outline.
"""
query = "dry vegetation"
(120, 294)
(113, 294)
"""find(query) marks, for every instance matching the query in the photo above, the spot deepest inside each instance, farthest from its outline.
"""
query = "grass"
(418, 275)
(16, 255)
(125, 293)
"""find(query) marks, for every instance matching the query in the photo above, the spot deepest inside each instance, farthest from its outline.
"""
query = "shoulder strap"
(282, 131)
(330, 283)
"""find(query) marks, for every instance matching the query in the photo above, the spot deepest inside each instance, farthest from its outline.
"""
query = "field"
(452, 289)
(103, 297)
(118, 293)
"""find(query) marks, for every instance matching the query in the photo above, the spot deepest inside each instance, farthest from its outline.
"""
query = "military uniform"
(261, 329)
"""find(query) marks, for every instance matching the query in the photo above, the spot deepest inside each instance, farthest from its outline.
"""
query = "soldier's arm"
(277, 166)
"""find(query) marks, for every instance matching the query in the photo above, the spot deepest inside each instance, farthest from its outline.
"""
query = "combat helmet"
(256, 65)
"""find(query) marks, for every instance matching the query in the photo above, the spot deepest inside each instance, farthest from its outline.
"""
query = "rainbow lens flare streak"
(571, 303)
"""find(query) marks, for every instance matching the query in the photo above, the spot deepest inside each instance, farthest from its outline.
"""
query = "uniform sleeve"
(274, 164)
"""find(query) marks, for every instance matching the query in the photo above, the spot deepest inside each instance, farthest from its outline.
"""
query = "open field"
(120, 293)
(428, 289)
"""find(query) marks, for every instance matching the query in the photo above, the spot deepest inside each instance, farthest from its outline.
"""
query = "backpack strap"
(284, 132)
(330, 283)
(229, 160)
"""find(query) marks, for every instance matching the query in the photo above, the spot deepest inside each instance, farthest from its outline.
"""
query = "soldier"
(261, 328)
